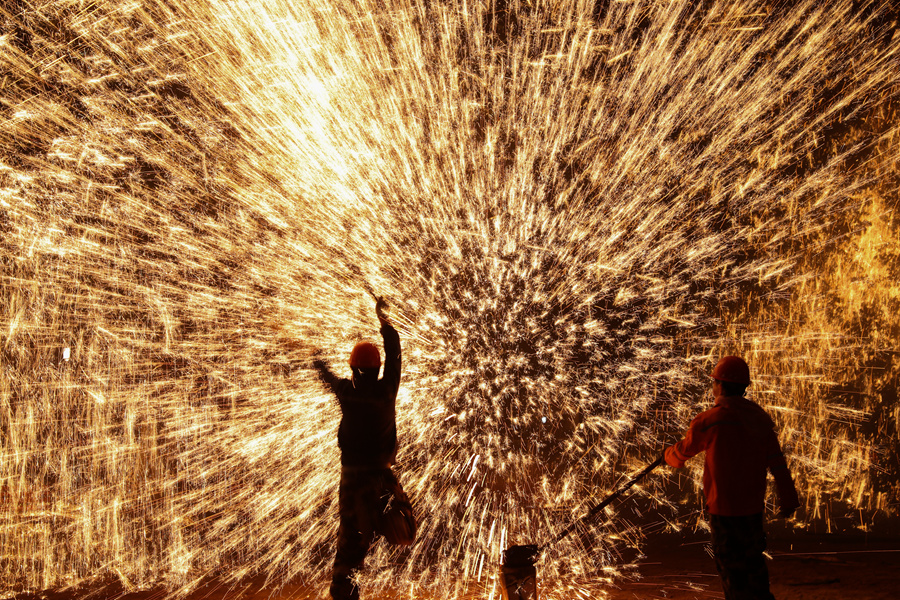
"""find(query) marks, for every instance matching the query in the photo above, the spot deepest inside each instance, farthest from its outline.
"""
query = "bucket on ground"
(518, 575)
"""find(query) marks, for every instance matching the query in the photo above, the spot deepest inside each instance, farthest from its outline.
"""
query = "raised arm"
(392, 357)
(392, 353)
(329, 378)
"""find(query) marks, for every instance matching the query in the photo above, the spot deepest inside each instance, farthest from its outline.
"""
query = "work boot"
(343, 588)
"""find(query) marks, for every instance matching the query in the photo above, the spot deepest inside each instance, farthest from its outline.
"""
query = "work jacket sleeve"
(328, 378)
(784, 483)
(694, 442)
(392, 358)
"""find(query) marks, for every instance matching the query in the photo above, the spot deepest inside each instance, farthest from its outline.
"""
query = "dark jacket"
(367, 435)
(740, 443)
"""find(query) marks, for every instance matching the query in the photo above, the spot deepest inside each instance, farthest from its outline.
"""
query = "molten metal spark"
(574, 209)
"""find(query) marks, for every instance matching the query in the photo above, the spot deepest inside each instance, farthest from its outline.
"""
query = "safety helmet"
(732, 369)
(365, 355)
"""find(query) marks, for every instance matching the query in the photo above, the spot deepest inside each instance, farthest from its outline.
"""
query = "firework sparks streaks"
(572, 207)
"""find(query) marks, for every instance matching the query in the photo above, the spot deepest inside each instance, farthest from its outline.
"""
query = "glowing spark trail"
(573, 208)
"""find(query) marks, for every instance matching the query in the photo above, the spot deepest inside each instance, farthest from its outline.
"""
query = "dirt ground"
(802, 567)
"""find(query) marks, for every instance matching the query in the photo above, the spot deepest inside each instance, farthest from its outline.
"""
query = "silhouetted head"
(365, 355)
(733, 374)
(365, 362)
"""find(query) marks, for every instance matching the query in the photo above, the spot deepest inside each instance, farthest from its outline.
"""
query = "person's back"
(740, 446)
(367, 435)
(371, 501)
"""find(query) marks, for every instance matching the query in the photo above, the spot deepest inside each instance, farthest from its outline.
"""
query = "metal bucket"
(518, 575)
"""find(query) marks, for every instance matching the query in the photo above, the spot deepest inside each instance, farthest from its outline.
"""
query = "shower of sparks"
(573, 208)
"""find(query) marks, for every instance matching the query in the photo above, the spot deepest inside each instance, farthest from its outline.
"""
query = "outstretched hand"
(316, 358)
(380, 306)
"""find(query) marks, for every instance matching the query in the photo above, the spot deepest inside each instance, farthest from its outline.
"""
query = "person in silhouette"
(741, 447)
(370, 499)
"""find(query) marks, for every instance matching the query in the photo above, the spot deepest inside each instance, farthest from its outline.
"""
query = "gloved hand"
(787, 512)
(316, 358)
(380, 306)
(666, 462)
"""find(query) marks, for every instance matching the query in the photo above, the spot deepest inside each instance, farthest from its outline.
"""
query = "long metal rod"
(606, 501)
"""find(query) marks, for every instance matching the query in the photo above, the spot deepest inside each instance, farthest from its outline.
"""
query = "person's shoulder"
(747, 404)
(710, 414)
(342, 385)
(383, 389)
(754, 411)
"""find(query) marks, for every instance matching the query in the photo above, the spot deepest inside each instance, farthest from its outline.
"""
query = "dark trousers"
(360, 503)
(738, 546)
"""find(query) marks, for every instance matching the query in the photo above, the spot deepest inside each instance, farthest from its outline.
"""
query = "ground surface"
(803, 567)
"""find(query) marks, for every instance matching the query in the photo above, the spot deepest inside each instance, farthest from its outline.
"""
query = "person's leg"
(738, 544)
(355, 534)
(395, 521)
(723, 552)
(757, 570)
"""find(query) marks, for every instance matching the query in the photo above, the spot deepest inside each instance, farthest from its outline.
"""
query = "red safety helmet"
(732, 369)
(365, 355)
